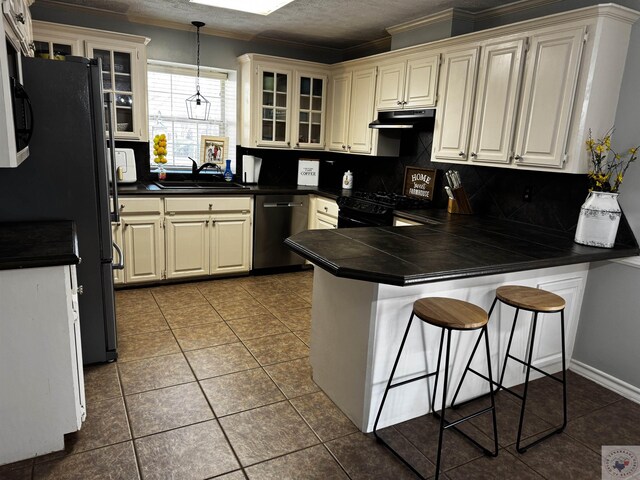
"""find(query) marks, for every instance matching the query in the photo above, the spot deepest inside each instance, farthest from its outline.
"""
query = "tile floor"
(213, 381)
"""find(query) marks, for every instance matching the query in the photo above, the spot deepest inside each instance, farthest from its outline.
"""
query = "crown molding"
(444, 16)
(383, 43)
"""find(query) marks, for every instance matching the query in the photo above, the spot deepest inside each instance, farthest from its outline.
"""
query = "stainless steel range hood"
(403, 118)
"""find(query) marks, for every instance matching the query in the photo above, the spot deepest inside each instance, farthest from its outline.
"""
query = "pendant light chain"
(198, 58)
(198, 107)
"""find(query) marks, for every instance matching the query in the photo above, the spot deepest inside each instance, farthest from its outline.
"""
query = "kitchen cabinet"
(323, 213)
(142, 239)
(18, 27)
(352, 108)
(408, 82)
(42, 394)
(208, 235)
(124, 69)
(404, 222)
(457, 89)
(282, 102)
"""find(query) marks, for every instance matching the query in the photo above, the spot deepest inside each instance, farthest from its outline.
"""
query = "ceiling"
(336, 24)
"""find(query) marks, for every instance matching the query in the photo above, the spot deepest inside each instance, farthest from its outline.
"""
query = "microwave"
(16, 115)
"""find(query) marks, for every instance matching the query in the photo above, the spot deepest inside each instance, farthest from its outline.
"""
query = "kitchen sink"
(191, 185)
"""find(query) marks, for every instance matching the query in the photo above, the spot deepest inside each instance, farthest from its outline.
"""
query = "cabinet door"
(421, 82)
(550, 79)
(325, 221)
(55, 48)
(274, 100)
(187, 245)
(390, 91)
(119, 70)
(310, 108)
(143, 248)
(496, 100)
(361, 110)
(116, 235)
(230, 243)
(339, 111)
(453, 121)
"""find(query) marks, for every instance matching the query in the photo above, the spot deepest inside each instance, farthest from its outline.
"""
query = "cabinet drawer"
(139, 205)
(207, 204)
(327, 206)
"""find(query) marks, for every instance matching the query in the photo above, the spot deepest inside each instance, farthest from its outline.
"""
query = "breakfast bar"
(366, 280)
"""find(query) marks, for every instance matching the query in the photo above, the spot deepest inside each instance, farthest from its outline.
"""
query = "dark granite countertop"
(38, 244)
(150, 189)
(448, 247)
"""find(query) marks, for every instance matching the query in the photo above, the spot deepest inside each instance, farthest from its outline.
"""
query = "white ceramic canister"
(598, 220)
(347, 180)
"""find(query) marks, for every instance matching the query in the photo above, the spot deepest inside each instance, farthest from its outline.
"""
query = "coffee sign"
(419, 182)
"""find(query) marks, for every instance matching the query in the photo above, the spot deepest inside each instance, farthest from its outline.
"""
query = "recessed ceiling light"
(261, 7)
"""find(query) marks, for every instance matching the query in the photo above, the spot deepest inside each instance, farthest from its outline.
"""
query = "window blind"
(168, 87)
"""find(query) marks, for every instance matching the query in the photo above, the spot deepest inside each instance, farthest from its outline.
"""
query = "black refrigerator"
(66, 177)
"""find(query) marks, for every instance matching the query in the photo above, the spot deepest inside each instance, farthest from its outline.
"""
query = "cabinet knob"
(404, 102)
(474, 154)
(461, 153)
(20, 18)
(348, 147)
(399, 102)
(326, 209)
(518, 158)
(80, 289)
(32, 46)
(206, 222)
(121, 207)
(344, 146)
(288, 144)
(210, 206)
(297, 144)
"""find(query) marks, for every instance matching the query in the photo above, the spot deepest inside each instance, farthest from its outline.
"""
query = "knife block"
(461, 203)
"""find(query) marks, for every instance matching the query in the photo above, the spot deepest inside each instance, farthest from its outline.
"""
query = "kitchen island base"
(357, 328)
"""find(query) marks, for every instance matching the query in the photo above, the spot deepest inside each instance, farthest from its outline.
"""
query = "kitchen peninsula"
(366, 280)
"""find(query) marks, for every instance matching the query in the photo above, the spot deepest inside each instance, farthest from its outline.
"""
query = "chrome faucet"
(195, 170)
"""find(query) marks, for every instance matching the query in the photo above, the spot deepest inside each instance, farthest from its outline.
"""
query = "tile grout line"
(126, 412)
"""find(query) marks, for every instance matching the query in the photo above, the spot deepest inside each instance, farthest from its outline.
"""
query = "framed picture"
(213, 150)
(419, 182)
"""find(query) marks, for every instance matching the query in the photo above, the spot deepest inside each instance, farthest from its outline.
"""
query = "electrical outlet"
(526, 196)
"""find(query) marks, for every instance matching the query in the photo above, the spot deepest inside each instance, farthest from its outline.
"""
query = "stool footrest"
(404, 382)
(454, 426)
(465, 418)
(550, 375)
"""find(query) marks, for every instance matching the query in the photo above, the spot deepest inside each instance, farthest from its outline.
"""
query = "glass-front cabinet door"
(309, 110)
(275, 107)
(118, 79)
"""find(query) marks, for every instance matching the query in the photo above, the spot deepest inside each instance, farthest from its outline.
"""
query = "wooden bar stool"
(449, 314)
(537, 301)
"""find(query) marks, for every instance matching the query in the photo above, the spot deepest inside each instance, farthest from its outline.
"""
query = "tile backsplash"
(554, 199)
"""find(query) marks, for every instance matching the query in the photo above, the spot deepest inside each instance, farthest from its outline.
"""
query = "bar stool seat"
(528, 298)
(449, 314)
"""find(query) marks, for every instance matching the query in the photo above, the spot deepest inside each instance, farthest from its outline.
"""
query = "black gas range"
(366, 209)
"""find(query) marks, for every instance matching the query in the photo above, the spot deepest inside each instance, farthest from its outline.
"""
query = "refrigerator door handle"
(120, 264)
(115, 214)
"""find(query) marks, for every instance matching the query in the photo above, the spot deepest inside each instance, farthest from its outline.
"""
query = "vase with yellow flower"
(600, 214)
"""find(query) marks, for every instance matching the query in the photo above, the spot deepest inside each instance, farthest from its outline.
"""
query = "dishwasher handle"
(282, 204)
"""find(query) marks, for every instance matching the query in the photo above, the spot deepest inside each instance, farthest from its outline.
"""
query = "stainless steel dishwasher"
(276, 218)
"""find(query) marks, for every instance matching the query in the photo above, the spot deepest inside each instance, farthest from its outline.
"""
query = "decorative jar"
(599, 219)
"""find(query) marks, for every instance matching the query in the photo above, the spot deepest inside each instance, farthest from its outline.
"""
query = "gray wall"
(609, 330)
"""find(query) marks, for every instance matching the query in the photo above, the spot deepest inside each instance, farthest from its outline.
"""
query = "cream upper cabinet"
(124, 77)
(309, 110)
(19, 26)
(352, 109)
(494, 117)
(549, 87)
(408, 83)
(124, 69)
(282, 102)
(453, 119)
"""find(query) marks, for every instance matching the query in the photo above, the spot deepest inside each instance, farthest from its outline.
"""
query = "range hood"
(402, 118)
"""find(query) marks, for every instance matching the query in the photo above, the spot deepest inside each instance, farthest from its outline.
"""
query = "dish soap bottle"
(347, 180)
(228, 175)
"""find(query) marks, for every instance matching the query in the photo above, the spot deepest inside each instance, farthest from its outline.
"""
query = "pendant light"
(197, 106)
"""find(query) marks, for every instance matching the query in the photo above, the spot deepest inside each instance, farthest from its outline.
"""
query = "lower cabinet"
(140, 236)
(404, 222)
(208, 236)
(323, 213)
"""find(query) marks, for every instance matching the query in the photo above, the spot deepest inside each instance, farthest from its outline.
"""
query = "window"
(169, 85)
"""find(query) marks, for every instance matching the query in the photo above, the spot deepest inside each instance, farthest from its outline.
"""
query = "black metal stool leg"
(491, 392)
(444, 403)
(506, 357)
(564, 374)
(435, 383)
(466, 369)
(393, 371)
(526, 384)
